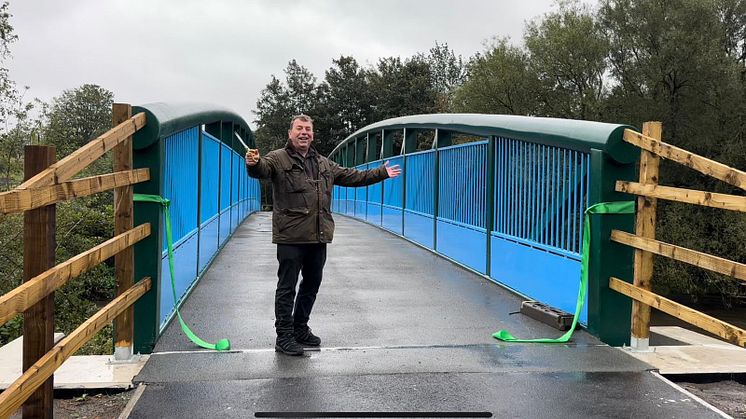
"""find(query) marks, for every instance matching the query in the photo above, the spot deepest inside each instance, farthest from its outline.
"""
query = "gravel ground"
(727, 395)
(91, 405)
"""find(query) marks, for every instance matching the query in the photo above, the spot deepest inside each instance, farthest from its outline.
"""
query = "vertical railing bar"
(550, 201)
(529, 190)
(566, 199)
(548, 196)
(555, 193)
(576, 204)
(501, 191)
(516, 220)
(539, 191)
(500, 187)
(516, 195)
(563, 192)
(513, 221)
(535, 191)
(522, 190)
(544, 189)
(526, 189)
(584, 197)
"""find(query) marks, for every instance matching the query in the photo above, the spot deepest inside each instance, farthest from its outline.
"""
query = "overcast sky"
(224, 51)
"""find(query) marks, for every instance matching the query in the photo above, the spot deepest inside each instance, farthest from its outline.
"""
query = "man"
(302, 224)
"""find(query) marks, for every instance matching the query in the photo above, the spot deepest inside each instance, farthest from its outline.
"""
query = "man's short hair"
(301, 117)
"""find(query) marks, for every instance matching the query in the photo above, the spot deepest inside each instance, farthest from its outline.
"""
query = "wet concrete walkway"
(403, 331)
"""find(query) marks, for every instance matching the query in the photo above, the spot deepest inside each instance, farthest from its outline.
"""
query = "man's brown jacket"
(301, 205)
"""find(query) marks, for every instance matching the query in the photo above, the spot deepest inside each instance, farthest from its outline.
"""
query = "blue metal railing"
(195, 162)
(541, 193)
(218, 186)
(509, 204)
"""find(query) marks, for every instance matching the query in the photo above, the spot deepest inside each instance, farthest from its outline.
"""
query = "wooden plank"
(682, 254)
(18, 200)
(124, 261)
(720, 328)
(688, 196)
(701, 164)
(20, 389)
(30, 292)
(645, 227)
(38, 256)
(82, 157)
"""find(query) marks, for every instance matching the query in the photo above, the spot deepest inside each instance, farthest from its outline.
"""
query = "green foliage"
(567, 54)
(346, 102)
(447, 72)
(402, 88)
(351, 97)
(77, 116)
(499, 81)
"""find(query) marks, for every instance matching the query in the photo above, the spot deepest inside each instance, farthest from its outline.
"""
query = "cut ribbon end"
(503, 335)
(223, 345)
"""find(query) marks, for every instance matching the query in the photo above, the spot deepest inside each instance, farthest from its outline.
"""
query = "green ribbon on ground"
(623, 207)
(222, 344)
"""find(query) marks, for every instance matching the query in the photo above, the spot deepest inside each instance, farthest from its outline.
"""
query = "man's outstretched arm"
(346, 176)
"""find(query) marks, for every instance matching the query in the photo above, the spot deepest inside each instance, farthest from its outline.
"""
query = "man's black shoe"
(288, 346)
(306, 338)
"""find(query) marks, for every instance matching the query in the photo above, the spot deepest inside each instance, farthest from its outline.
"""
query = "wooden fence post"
(38, 256)
(645, 227)
(123, 221)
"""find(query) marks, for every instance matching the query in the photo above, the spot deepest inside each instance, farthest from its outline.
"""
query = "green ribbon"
(222, 344)
(623, 207)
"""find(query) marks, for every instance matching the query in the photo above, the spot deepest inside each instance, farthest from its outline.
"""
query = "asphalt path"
(405, 333)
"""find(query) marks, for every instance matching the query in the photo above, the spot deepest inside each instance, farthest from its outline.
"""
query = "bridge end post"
(609, 312)
(147, 252)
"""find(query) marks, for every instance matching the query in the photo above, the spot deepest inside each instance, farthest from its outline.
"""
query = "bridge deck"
(403, 331)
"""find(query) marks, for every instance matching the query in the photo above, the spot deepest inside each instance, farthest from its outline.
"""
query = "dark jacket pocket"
(295, 179)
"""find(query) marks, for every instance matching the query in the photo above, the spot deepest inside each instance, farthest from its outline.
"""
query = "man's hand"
(393, 171)
(252, 157)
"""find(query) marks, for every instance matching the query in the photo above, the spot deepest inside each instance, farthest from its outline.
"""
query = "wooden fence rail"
(19, 200)
(32, 291)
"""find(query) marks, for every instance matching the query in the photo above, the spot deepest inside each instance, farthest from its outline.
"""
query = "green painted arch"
(565, 133)
(164, 119)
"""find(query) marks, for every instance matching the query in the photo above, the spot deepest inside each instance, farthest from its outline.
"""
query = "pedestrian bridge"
(489, 211)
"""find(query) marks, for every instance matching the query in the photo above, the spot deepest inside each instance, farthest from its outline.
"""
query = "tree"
(402, 88)
(448, 72)
(77, 116)
(498, 81)
(567, 52)
(345, 101)
(279, 101)
(681, 62)
(273, 108)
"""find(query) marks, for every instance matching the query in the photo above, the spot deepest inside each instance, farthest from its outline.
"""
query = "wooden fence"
(47, 183)
(649, 191)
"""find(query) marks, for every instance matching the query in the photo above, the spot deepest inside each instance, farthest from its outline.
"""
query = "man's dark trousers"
(309, 260)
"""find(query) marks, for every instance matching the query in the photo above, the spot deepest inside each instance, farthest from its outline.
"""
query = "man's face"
(301, 135)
